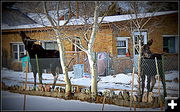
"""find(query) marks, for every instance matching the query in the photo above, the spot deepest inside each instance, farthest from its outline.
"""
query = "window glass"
(15, 48)
(51, 45)
(15, 55)
(169, 45)
(121, 51)
(21, 48)
(121, 43)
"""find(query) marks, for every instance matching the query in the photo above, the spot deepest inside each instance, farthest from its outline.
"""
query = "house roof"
(13, 17)
(80, 21)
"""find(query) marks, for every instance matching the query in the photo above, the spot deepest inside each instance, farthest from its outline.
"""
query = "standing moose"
(46, 59)
(148, 68)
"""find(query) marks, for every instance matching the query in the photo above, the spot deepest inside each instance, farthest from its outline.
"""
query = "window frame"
(18, 50)
(122, 39)
(176, 43)
(44, 44)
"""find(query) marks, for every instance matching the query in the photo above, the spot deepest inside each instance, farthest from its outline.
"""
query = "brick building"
(111, 38)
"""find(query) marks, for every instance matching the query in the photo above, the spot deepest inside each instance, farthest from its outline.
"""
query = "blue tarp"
(24, 60)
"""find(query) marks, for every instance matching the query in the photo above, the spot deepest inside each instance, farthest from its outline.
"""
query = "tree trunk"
(93, 70)
(91, 55)
(64, 67)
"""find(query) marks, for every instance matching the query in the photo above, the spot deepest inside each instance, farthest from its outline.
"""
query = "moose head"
(146, 52)
(28, 42)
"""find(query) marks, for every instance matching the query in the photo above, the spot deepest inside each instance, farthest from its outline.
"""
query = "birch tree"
(89, 31)
(55, 26)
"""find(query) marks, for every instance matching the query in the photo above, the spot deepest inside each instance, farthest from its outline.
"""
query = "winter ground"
(118, 81)
(14, 101)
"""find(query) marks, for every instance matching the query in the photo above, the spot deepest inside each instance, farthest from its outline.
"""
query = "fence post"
(157, 69)
(37, 64)
(139, 72)
(27, 68)
(104, 99)
(132, 89)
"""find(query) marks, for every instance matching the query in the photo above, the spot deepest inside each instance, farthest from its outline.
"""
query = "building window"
(122, 46)
(18, 50)
(50, 45)
(170, 44)
(75, 48)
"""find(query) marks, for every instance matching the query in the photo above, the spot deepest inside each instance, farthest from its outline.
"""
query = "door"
(136, 43)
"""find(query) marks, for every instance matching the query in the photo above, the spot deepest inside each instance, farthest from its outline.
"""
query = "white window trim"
(170, 35)
(18, 50)
(126, 39)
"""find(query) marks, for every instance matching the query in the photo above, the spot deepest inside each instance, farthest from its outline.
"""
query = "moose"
(46, 59)
(148, 68)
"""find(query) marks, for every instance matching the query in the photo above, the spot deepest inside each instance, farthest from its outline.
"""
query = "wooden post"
(132, 88)
(139, 71)
(104, 99)
(25, 85)
(157, 69)
(37, 64)
(158, 76)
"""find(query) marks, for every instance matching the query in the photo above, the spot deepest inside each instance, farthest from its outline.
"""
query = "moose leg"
(148, 84)
(40, 77)
(153, 82)
(55, 74)
(143, 84)
(34, 73)
(55, 79)
(162, 77)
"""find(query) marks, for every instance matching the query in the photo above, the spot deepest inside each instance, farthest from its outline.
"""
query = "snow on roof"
(42, 19)
(133, 16)
(80, 21)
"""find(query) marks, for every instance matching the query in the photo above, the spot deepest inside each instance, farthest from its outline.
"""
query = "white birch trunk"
(91, 55)
(63, 64)
(61, 49)
(93, 70)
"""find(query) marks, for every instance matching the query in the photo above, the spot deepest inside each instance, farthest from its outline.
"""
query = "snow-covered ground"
(39, 103)
(118, 81)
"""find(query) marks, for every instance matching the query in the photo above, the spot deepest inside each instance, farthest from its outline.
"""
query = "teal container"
(24, 60)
